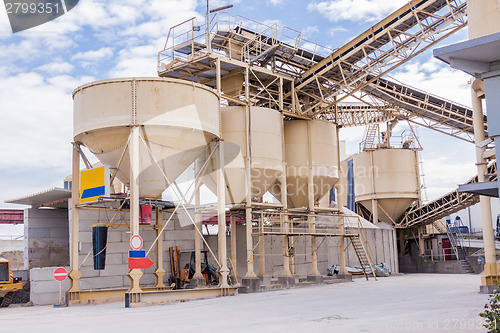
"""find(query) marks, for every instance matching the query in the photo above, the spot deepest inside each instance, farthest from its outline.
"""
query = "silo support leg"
(134, 274)
(221, 212)
(233, 248)
(198, 280)
(491, 274)
(75, 273)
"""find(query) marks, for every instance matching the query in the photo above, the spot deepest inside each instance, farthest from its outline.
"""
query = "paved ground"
(410, 303)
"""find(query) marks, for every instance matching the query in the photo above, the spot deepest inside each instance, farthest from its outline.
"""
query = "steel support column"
(134, 274)
(221, 221)
(491, 276)
(75, 273)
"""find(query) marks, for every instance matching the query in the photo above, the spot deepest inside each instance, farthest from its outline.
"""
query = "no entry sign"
(60, 274)
(136, 242)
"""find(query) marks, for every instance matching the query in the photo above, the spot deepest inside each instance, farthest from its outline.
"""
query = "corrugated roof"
(54, 197)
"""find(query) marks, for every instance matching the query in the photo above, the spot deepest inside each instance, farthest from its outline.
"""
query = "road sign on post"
(136, 242)
(60, 274)
(136, 257)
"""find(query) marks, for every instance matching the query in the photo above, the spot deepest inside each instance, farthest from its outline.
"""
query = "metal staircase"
(364, 258)
(371, 136)
(457, 239)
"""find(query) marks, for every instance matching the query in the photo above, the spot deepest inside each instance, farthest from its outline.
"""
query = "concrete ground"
(410, 303)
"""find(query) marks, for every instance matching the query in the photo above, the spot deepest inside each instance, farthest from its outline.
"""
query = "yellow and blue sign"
(94, 183)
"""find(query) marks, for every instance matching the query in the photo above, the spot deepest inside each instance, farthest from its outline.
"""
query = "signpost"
(60, 274)
(136, 242)
(136, 257)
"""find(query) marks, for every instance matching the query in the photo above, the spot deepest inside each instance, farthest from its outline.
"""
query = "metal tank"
(265, 146)
(177, 120)
(483, 17)
(310, 140)
(387, 178)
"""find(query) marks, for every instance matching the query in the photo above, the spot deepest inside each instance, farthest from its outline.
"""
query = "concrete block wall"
(46, 234)
(11, 245)
(115, 273)
(44, 289)
(382, 242)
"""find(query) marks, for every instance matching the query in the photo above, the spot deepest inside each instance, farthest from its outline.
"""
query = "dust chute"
(99, 243)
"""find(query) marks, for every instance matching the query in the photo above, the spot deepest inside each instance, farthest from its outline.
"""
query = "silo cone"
(99, 243)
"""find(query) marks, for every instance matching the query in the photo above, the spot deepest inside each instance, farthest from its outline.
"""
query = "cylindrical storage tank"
(314, 140)
(177, 118)
(388, 175)
(483, 17)
(266, 152)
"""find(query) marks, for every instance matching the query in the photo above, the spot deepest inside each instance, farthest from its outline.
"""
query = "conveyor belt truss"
(447, 204)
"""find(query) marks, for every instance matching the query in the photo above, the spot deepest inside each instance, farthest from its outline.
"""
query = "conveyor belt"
(423, 104)
(447, 204)
(401, 36)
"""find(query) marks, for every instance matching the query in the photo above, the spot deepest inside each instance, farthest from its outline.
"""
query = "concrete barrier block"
(44, 274)
(44, 286)
(47, 298)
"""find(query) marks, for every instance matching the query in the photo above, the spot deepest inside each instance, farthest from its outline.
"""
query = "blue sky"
(102, 39)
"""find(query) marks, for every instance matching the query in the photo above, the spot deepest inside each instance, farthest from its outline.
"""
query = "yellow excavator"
(9, 284)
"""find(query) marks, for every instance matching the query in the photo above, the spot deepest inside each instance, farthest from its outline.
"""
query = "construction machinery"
(9, 284)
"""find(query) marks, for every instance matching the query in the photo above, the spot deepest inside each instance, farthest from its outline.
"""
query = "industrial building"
(250, 113)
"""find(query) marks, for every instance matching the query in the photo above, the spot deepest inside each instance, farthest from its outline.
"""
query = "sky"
(101, 39)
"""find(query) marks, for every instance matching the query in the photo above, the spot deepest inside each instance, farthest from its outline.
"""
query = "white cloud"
(94, 55)
(355, 10)
(39, 72)
(334, 30)
(435, 77)
(275, 2)
(310, 31)
(36, 121)
(57, 67)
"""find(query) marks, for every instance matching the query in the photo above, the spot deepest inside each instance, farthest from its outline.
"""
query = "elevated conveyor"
(440, 114)
(401, 36)
(304, 80)
(447, 204)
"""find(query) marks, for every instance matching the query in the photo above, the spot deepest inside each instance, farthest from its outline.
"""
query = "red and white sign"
(136, 242)
(141, 263)
(60, 274)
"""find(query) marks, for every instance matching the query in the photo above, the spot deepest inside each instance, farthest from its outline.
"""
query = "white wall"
(46, 234)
